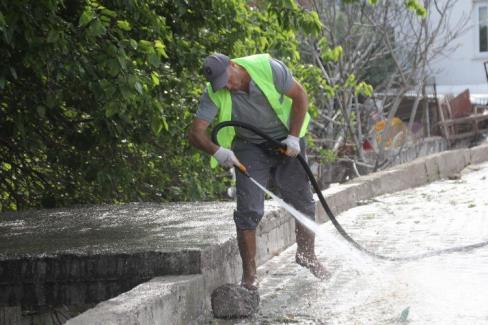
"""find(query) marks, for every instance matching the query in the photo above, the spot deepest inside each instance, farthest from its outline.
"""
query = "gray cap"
(214, 69)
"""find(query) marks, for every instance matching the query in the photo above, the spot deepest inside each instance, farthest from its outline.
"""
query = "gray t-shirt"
(253, 108)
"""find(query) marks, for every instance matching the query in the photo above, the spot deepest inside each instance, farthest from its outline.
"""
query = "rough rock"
(233, 301)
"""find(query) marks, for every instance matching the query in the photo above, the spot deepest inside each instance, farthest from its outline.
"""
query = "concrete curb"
(174, 299)
(184, 299)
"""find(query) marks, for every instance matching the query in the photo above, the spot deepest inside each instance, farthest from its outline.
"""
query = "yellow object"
(397, 127)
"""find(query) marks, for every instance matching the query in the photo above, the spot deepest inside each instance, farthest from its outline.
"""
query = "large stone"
(233, 301)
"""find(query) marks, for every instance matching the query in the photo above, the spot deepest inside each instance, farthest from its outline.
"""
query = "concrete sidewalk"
(158, 263)
(443, 289)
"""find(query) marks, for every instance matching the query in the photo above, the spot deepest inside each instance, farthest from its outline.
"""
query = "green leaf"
(86, 17)
(159, 46)
(154, 60)
(146, 46)
(122, 61)
(13, 72)
(330, 91)
(337, 52)
(111, 109)
(138, 87)
(6, 166)
(311, 23)
(165, 124)
(97, 29)
(113, 67)
(350, 81)
(414, 5)
(108, 87)
(156, 125)
(364, 88)
(126, 92)
(155, 78)
(3, 23)
(105, 20)
(133, 44)
(108, 12)
(124, 25)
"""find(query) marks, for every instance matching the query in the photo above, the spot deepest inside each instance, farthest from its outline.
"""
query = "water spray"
(281, 148)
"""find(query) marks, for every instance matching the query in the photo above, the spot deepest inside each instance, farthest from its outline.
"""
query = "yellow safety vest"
(259, 69)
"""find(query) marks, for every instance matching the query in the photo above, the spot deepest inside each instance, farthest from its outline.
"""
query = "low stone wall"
(275, 233)
(342, 170)
(423, 147)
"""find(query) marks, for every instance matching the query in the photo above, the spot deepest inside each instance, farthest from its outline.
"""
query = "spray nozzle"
(242, 169)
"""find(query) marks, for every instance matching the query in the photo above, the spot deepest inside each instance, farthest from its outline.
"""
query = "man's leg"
(294, 187)
(250, 207)
(246, 240)
(305, 255)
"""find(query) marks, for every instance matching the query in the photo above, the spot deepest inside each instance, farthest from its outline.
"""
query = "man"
(261, 91)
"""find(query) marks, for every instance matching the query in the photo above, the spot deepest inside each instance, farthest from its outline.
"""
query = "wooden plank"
(467, 119)
(442, 118)
(462, 135)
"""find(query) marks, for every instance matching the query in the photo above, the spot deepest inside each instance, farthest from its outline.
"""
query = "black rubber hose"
(332, 218)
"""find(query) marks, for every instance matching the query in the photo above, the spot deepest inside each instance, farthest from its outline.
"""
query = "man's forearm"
(298, 109)
(203, 143)
(199, 138)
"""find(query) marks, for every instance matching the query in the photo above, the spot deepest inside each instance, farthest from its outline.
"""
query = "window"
(483, 29)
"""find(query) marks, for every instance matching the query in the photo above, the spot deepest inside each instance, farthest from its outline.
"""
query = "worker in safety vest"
(261, 91)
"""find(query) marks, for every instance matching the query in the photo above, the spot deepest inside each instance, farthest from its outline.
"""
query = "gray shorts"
(285, 174)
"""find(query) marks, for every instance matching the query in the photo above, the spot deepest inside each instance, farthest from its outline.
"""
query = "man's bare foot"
(313, 264)
(252, 284)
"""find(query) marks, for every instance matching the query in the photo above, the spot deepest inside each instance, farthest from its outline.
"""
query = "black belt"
(270, 147)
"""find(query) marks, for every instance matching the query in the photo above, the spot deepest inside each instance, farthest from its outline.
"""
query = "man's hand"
(226, 157)
(292, 145)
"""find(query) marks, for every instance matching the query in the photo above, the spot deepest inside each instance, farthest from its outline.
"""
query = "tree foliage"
(96, 95)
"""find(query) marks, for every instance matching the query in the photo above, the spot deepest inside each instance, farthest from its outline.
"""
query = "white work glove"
(292, 145)
(226, 157)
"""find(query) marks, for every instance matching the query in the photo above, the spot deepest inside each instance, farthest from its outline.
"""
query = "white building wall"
(461, 65)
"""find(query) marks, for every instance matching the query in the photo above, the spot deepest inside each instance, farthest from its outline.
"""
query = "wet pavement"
(445, 289)
(105, 229)
(81, 256)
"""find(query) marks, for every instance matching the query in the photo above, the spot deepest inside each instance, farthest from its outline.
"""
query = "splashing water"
(336, 243)
(294, 212)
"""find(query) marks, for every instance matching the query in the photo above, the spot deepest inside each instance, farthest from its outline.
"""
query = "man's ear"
(231, 68)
